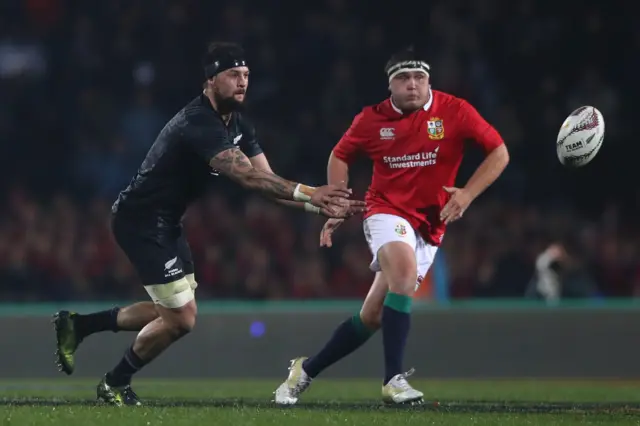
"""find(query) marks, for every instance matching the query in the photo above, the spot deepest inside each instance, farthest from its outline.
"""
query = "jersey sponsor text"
(421, 159)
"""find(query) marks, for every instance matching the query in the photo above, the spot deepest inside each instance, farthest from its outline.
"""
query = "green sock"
(398, 302)
(348, 337)
(360, 328)
(396, 321)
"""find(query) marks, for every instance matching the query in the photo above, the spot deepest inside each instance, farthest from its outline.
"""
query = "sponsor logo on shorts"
(401, 230)
(168, 265)
(169, 270)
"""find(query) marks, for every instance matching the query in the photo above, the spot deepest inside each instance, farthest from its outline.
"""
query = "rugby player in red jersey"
(416, 142)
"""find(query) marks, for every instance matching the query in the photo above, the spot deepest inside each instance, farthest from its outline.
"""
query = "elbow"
(245, 183)
(505, 151)
(247, 180)
(501, 154)
(506, 158)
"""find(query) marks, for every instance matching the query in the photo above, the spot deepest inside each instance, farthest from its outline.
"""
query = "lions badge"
(436, 128)
(401, 230)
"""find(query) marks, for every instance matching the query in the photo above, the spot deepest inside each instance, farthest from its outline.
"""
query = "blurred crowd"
(86, 86)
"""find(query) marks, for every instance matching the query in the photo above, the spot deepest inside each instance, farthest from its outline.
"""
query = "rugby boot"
(116, 395)
(399, 391)
(67, 340)
(297, 382)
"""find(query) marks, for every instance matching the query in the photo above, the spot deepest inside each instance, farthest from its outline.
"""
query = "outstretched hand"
(345, 211)
(330, 195)
(327, 230)
(334, 203)
(459, 201)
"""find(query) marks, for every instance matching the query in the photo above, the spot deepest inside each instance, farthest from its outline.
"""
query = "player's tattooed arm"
(260, 162)
(235, 165)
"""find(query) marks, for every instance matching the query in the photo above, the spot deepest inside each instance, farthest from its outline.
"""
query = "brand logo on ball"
(436, 128)
(401, 230)
(574, 146)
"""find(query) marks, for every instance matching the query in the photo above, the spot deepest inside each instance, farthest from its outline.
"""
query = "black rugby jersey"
(176, 169)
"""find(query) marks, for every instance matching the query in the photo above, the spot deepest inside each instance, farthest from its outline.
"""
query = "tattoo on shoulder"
(231, 162)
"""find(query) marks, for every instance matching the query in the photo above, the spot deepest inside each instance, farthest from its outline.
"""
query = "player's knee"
(371, 318)
(183, 325)
(402, 279)
(178, 306)
(181, 321)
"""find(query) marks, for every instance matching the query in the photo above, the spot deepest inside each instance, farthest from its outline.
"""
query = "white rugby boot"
(297, 382)
(399, 391)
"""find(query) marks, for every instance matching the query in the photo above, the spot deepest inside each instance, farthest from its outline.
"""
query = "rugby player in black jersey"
(207, 138)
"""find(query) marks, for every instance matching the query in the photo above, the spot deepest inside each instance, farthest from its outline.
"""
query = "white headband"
(408, 66)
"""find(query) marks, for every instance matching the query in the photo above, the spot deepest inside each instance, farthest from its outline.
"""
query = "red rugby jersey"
(414, 155)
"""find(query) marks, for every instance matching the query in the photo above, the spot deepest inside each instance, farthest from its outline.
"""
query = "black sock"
(348, 337)
(86, 325)
(129, 365)
(396, 321)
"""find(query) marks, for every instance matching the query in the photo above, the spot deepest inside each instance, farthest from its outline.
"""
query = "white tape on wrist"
(302, 192)
(310, 208)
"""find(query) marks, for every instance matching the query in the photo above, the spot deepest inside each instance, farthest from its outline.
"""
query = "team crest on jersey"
(401, 230)
(436, 128)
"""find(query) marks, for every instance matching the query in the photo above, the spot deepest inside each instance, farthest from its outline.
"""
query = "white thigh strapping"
(172, 295)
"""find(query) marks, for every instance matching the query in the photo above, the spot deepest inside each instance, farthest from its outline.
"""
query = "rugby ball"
(580, 137)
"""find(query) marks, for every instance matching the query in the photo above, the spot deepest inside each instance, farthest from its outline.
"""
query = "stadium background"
(86, 86)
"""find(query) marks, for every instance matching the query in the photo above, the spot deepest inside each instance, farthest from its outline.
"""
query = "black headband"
(223, 60)
(412, 65)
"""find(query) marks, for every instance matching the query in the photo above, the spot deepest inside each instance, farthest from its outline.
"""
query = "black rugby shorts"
(160, 253)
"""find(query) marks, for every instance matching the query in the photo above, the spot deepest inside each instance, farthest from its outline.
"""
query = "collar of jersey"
(425, 107)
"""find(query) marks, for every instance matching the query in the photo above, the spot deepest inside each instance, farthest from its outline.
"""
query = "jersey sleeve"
(249, 143)
(353, 140)
(206, 136)
(475, 127)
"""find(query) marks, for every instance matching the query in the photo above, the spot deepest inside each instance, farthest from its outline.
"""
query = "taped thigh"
(172, 295)
(192, 281)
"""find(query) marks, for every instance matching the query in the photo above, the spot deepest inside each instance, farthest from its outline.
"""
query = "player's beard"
(227, 105)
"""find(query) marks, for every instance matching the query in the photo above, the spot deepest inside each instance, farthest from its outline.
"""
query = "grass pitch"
(328, 402)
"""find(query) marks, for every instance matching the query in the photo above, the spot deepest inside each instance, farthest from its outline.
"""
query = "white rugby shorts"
(381, 229)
